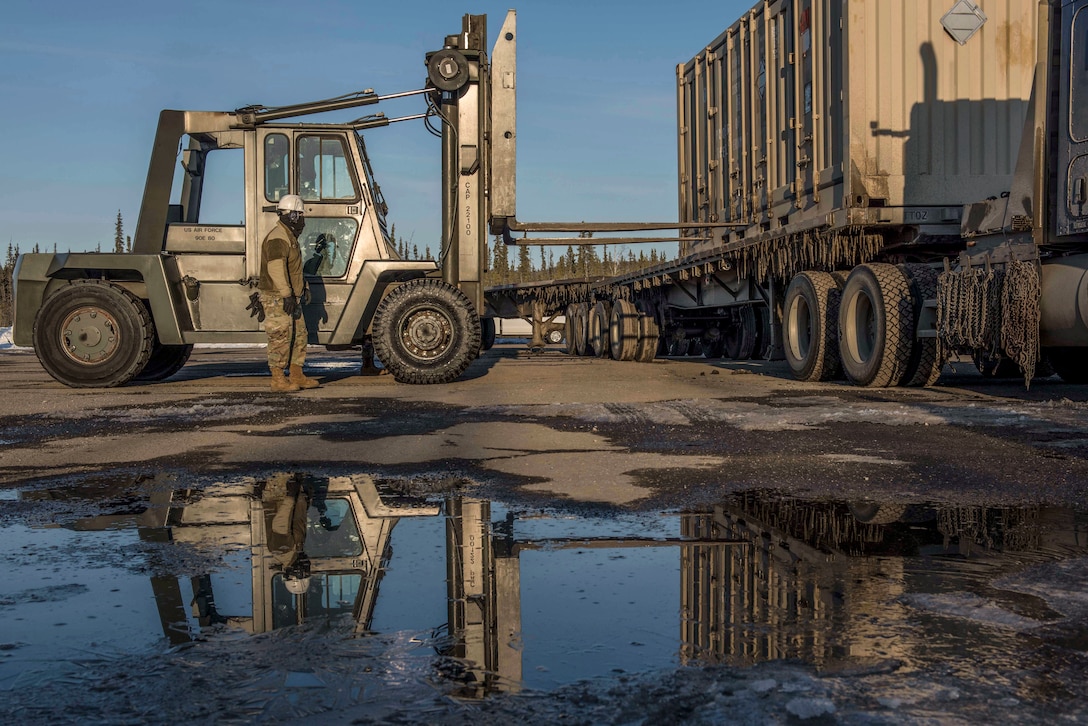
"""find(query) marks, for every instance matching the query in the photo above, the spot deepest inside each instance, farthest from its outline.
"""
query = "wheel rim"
(799, 326)
(861, 321)
(89, 335)
(427, 333)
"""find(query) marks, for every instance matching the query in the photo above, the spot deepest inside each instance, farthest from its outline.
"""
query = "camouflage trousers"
(277, 326)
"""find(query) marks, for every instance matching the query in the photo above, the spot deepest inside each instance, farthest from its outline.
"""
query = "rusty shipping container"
(810, 117)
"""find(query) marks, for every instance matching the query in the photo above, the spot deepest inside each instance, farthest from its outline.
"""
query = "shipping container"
(808, 116)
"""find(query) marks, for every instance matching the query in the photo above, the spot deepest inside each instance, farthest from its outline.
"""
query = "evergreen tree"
(128, 243)
(118, 234)
(6, 286)
(415, 252)
(525, 264)
(502, 263)
(427, 253)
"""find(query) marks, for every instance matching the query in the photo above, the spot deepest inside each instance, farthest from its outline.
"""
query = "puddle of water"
(482, 596)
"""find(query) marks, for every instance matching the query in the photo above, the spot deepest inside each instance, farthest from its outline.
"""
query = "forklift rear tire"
(92, 334)
(426, 331)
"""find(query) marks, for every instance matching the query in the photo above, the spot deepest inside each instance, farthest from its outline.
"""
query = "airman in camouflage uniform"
(282, 293)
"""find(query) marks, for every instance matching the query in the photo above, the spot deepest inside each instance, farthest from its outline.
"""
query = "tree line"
(507, 264)
(121, 243)
(512, 264)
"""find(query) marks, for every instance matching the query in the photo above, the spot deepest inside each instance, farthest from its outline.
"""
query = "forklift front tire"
(426, 331)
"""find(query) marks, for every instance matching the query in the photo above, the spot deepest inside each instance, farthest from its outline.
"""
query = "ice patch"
(201, 411)
(970, 607)
(763, 686)
(748, 416)
(806, 708)
(861, 459)
(52, 593)
(1063, 585)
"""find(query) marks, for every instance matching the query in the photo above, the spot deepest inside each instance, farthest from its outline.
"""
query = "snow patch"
(6, 341)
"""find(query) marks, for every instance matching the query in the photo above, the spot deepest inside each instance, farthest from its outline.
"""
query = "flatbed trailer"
(865, 187)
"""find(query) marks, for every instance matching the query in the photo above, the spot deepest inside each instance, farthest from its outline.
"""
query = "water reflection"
(757, 577)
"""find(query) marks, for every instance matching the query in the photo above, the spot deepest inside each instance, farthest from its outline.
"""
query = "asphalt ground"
(671, 433)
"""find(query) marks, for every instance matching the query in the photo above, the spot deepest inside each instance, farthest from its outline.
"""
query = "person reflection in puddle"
(287, 533)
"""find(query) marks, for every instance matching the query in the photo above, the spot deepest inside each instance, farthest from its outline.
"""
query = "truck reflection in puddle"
(761, 577)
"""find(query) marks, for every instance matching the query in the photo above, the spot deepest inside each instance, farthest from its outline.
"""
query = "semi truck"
(865, 187)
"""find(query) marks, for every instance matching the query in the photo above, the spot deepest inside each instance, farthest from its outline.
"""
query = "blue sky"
(82, 84)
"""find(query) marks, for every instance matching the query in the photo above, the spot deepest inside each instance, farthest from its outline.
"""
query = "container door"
(1073, 145)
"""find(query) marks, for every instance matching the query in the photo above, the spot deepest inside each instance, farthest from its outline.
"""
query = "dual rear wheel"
(863, 325)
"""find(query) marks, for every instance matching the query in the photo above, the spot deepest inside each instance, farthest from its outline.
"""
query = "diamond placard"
(963, 20)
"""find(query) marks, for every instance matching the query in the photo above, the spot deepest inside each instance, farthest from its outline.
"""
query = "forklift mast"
(478, 144)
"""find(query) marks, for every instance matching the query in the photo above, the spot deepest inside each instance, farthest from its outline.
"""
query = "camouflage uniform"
(279, 245)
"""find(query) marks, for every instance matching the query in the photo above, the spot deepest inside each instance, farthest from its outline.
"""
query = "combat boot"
(280, 382)
(300, 379)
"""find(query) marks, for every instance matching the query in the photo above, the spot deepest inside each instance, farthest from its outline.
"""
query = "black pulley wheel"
(447, 70)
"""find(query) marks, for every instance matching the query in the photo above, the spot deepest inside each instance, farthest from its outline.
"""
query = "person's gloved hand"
(290, 304)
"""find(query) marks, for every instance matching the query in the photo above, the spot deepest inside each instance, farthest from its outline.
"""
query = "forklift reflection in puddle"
(319, 547)
(762, 577)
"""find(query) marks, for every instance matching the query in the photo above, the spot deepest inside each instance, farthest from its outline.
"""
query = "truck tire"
(599, 319)
(649, 338)
(572, 325)
(1071, 364)
(876, 325)
(810, 326)
(165, 361)
(739, 341)
(926, 359)
(426, 331)
(581, 345)
(487, 333)
(623, 330)
(92, 334)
